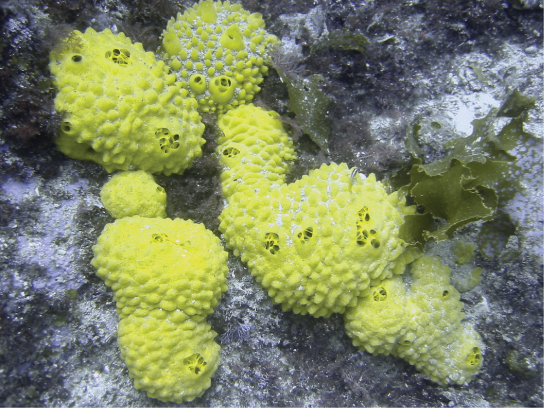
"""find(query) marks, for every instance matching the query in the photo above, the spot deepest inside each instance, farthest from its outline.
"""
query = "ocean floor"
(392, 72)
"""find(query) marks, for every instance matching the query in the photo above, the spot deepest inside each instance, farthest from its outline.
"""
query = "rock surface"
(445, 62)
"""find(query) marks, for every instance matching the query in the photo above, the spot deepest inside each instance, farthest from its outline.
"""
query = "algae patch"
(311, 106)
(343, 40)
(475, 181)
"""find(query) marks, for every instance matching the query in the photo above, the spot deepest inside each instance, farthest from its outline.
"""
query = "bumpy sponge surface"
(155, 263)
(218, 51)
(121, 107)
(316, 244)
(421, 324)
(167, 276)
(380, 318)
(171, 361)
(134, 193)
(253, 148)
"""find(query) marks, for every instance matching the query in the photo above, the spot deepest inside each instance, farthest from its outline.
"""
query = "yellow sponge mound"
(316, 244)
(218, 51)
(167, 276)
(121, 108)
(421, 324)
(253, 148)
(379, 319)
(155, 263)
(171, 361)
(134, 193)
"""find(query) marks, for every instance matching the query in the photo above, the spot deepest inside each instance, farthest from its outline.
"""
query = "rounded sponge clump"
(316, 244)
(253, 148)
(134, 193)
(155, 263)
(218, 51)
(380, 318)
(170, 361)
(167, 276)
(421, 324)
(121, 108)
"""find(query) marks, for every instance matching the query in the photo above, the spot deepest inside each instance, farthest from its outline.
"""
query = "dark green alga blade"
(445, 196)
(311, 107)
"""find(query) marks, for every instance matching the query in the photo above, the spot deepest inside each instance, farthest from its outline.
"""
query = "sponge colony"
(167, 276)
(316, 244)
(121, 108)
(421, 324)
(134, 193)
(218, 51)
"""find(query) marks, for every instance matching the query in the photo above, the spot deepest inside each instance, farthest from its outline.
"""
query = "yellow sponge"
(167, 276)
(253, 148)
(316, 244)
(170, 361)
(134, 193)
(380, 318)
(155, 263)
(121, 107)
(422, 324)
(218, 51)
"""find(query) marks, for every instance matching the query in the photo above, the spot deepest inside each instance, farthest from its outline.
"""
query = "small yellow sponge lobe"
(121, 107)
(316, 244)
(421, 324)
(167, 276)
(254, 148)
(380, 318)
(169, 361)
(134, 193)
(218, 52)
